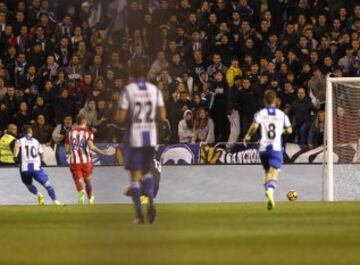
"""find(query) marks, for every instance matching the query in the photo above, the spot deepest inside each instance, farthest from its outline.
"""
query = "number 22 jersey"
(141, 100)
(272, 122)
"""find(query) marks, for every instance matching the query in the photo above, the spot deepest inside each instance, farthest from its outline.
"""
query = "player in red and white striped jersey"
(78, 144)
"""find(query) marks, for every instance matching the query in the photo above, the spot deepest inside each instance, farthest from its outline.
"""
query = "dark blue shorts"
(139, 158)
(28, 176)
(270, 158)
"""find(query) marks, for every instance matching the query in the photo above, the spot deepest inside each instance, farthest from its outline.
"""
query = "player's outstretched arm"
(252, 130)
(93, 148)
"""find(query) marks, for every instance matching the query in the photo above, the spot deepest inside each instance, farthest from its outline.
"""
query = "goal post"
(342, 112)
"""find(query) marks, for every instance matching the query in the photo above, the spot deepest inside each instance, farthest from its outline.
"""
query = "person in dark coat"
(64, 105)
(248, 105)
(303, 112)
(23, 117)
(41, 130)
(219, 108)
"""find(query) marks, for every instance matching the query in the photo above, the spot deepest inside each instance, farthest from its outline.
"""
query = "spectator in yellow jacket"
(234, 70)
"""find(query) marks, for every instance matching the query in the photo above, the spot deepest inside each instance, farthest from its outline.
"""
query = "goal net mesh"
(346, 132)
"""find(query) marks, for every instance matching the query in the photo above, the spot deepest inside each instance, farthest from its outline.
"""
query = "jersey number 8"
(271, 131)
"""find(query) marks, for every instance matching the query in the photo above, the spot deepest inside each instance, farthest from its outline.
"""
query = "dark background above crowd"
(212, 58)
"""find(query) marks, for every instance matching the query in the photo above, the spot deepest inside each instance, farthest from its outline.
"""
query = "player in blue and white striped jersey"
(273, 123)
(140, 107)
(30, 152)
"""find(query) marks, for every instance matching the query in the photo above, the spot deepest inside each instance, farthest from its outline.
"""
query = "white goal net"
(342, 159)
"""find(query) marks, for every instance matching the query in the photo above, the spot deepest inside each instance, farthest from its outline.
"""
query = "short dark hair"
(270, 97)
(137, 70)
(25, 129)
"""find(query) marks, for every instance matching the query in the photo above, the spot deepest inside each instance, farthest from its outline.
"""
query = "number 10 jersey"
(30, 150)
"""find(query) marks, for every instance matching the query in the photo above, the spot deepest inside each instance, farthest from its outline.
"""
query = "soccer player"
(79, 143)
(30, 165)
(273, 124)
(141, 104)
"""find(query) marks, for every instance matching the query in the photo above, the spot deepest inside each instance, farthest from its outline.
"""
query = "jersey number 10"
(30, 151)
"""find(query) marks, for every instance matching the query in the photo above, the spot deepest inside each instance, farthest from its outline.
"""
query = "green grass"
(295, 233)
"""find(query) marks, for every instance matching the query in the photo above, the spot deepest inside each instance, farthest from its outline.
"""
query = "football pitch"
(246, 233)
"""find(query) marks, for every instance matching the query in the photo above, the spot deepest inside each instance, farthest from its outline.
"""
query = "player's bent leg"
(42, 178)
(27, 180)
(136, 194)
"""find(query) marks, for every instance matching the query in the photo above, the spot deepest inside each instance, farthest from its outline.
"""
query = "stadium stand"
(213, 60)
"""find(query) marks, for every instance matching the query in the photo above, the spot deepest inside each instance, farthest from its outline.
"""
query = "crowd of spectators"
(212, 59)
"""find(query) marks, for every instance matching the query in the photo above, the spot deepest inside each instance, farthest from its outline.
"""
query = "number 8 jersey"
(141, 100)
(272, 122)
(30, 150)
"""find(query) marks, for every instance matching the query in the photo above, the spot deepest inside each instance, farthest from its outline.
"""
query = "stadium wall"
(185, 184)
